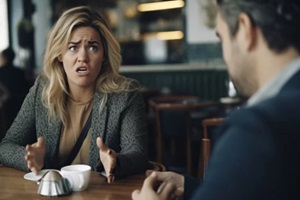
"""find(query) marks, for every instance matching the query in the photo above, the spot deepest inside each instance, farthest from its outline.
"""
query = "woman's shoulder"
(133, 84)
(132, 88)
(126, 96)
(39, 80)
(39, 84)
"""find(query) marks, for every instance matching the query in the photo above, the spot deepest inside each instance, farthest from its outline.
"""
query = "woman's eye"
(93, 48)
(72, 48)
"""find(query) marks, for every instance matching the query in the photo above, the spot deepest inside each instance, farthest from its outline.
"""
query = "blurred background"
(173, 33)
(169, 46)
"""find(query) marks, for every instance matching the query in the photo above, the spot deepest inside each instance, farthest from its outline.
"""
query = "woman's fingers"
(34, 170)
(108, 159)
(35, 155)
(41, 142)
(101, 145)
(30, 153)
(31, 165)
(110, 178)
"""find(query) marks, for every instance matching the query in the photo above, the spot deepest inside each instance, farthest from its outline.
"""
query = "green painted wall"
(206, 84)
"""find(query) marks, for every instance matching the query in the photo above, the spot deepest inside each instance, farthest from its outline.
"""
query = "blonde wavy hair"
(55, 92)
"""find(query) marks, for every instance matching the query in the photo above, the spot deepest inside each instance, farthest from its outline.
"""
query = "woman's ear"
(104, 61)
(60, 58)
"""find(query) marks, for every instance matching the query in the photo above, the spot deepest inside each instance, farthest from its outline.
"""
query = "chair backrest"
(173, 120)
(206, 144)
(148, 93)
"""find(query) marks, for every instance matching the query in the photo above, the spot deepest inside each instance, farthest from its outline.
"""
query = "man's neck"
(271, 63)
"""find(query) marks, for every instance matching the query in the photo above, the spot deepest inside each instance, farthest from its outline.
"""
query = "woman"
(79, 77)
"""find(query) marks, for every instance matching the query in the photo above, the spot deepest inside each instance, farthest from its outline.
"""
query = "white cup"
(78, 176)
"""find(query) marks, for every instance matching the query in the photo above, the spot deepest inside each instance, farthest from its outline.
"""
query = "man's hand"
(157, 187)
(35, 155)
(169, 177)
(108, 158)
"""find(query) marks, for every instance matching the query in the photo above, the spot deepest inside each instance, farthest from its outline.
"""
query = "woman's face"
(83, 58)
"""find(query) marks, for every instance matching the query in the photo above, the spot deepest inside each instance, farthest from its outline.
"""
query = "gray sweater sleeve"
(21, 133)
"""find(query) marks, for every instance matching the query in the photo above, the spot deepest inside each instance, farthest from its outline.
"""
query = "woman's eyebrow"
(93, 42)
(73, 42)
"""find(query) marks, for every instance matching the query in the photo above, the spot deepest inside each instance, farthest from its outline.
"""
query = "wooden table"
(14, 186)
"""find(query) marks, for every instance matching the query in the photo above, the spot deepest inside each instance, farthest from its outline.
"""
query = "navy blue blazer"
(258, 154)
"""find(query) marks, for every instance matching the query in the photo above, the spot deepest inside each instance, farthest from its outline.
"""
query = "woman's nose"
(82, 55)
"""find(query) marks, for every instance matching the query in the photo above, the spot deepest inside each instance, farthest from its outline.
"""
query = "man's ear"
(247, 33)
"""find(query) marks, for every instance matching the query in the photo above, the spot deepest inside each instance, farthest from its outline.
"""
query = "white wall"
(197, 32)
(42, 22)
(4, 41)
(16, 16)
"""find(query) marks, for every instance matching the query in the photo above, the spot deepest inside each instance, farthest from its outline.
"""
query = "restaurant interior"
(169, 46)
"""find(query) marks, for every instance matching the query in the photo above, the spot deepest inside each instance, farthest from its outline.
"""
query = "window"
(4, 42)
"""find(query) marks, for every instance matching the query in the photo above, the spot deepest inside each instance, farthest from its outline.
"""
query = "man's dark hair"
(9, 55)
(279, 20)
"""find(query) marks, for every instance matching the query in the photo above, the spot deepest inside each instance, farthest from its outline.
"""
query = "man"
(257, 156)
(13, 80)
(12, 77)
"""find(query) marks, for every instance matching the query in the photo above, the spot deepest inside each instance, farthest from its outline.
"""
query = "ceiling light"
(166, 35)
(164, 5)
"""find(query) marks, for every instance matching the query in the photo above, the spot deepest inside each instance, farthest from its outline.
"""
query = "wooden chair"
(206, 144)
(147, 94)
(181, 106)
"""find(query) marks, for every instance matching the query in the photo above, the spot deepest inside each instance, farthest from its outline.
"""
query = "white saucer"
(32, 177)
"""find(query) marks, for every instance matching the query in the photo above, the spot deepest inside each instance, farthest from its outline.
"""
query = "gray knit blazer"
(121, 123)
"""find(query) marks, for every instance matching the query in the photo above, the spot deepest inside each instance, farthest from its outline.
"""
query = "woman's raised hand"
(35, 155)
(108, 158)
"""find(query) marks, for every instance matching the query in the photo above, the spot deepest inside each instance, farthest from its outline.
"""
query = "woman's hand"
(160, 186)
(35, 155)
(108, 158)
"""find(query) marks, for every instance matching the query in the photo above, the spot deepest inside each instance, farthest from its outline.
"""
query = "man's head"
(7, 57)
(244, 25)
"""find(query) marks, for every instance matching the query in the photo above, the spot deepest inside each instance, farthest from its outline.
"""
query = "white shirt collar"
(273, 87)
